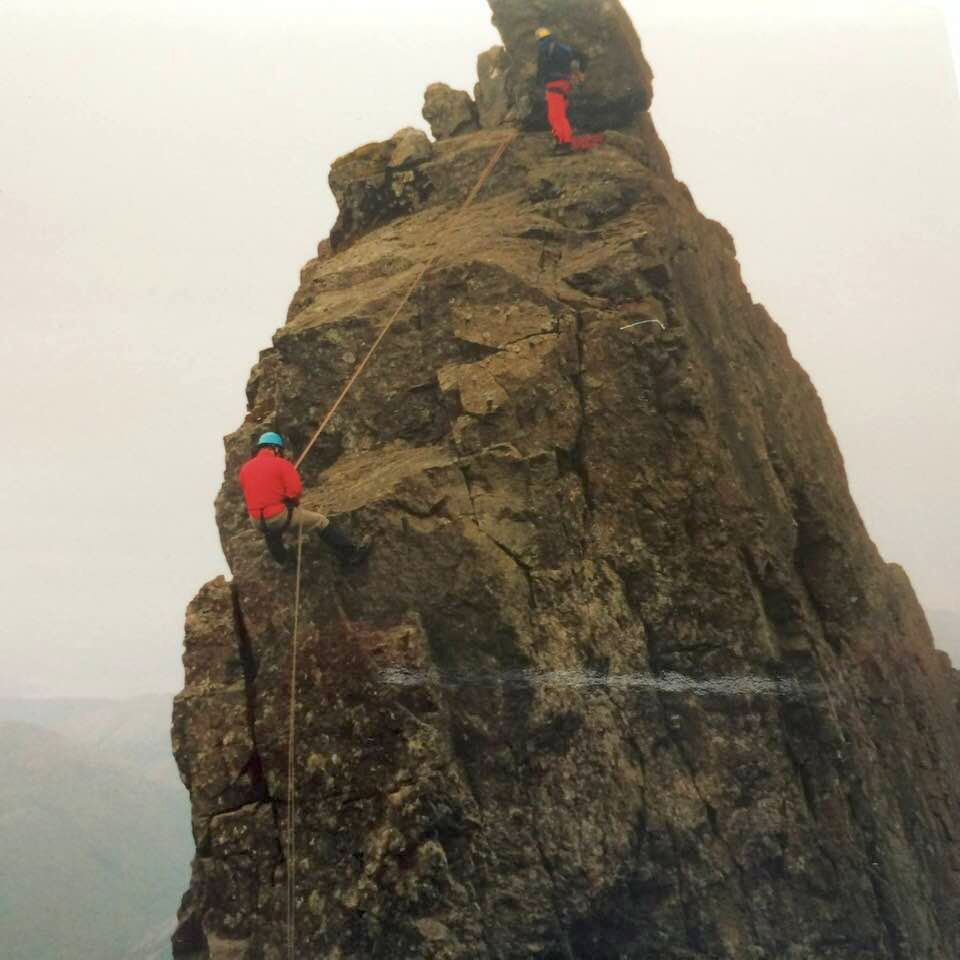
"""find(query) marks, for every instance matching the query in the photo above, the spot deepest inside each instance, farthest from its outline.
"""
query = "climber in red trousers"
(557, 64)
(272, 488)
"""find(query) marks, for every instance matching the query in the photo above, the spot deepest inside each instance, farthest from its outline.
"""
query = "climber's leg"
(310, 519)
(557, 93)
(349, 553)
(276, 546)
(274, 529)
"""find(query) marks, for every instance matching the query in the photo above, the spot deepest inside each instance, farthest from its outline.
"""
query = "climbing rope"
(291, 779)
(291, 735)
(471, 196)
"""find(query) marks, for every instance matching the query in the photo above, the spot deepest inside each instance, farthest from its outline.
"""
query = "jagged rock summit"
(625, 676)
(619, 83)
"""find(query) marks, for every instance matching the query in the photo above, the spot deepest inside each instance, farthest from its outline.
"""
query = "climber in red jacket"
(272, 488)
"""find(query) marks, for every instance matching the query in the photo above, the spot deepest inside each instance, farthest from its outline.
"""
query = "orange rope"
(494, 160)
(291, 757)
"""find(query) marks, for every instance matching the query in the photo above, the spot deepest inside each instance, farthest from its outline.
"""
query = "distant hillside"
(95, 856)
(945, 625)
(133, 732)
(156, 943)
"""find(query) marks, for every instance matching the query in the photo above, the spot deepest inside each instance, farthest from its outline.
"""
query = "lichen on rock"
(379, 181)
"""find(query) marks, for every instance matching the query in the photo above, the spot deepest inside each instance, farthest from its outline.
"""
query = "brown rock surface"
(379, 181)
(449, 112)
(410, 147)
(491, 92)
(625, 676)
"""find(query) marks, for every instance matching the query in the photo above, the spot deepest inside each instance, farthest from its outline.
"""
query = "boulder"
(410, 147)
(449, 112)
(619, 81)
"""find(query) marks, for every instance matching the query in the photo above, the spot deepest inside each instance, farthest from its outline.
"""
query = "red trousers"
(557, 93)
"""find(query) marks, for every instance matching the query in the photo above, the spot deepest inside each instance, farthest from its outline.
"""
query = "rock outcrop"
(491, 91)
(449, 112)
(625, 676)
(379, 181)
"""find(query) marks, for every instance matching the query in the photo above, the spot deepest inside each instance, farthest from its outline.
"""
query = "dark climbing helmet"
(270, 439)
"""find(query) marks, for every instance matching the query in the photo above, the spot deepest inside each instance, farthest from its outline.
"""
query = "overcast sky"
(163, 177)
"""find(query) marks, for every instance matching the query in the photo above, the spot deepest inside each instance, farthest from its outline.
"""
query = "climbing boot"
(349, 554)
(562, 149)
(356, 554)
(276, 546)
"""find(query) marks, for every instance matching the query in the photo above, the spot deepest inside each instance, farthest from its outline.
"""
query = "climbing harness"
(286, 523)
(274, 535)
(291, 734)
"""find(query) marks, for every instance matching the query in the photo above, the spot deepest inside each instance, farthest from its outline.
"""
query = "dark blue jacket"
(555, 60)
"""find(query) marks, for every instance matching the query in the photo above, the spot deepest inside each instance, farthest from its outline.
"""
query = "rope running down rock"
(291, 735)
(494, 160)
(291, 781)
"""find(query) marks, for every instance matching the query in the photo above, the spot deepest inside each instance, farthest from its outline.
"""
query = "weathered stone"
(228, 949)
(212, 736)
(618, 83)
(410, 147)
(491, 94)
(379, 181)
(449, 112)
(625, 675)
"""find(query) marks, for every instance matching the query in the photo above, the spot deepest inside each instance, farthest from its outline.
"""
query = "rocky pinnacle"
(624, 677)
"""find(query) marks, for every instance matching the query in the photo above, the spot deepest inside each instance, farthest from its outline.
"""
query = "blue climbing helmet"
(270, 439)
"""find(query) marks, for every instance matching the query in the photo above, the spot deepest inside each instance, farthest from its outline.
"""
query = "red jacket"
(268, 481)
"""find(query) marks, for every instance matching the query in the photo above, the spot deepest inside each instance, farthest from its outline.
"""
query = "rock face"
(409, 147)
(379, 181)
(491, 92)
(625, 676)
(449, 112)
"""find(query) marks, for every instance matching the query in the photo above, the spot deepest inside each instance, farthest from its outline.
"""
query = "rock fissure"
(578, 450)
(465, 474)
(562, 938)
(245, 649)
(891, 938)
(518, 561)
(521, 765)
(709, 810)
